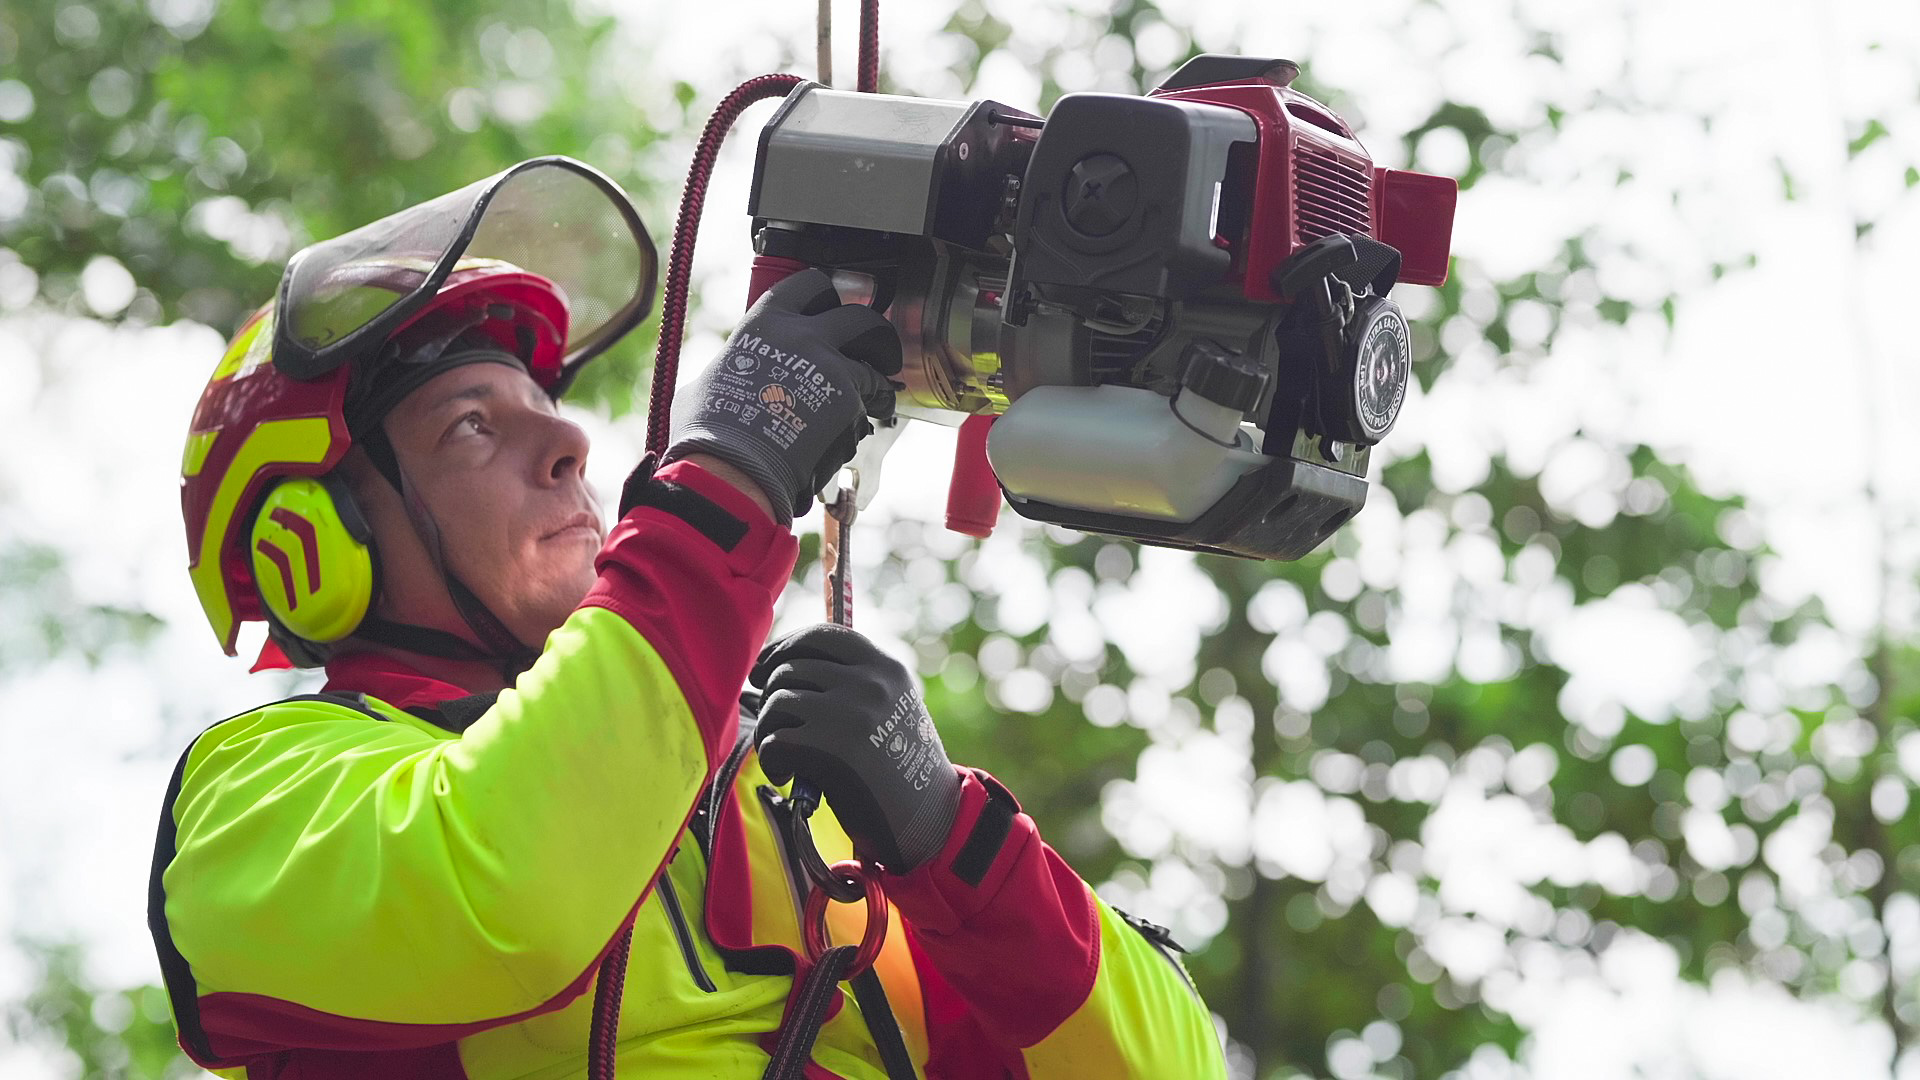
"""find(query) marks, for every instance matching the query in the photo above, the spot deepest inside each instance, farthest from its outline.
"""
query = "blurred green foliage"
(108, 1035)
(49, 621)
(197, 144)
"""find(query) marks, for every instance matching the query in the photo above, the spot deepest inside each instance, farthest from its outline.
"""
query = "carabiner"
(813, 925)
(804, 799)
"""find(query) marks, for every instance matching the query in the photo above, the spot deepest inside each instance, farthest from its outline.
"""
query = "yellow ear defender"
(312, 560)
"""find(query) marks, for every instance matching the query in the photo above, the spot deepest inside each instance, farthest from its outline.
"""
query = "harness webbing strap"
(882, 1024)
(808, 1015)
(802, 1024)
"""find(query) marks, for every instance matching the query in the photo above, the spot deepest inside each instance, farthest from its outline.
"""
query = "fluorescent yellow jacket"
(391, 880)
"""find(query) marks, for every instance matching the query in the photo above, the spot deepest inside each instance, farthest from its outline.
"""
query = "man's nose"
(566, 450)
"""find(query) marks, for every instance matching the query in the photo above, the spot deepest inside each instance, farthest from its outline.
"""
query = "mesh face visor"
(552, 216)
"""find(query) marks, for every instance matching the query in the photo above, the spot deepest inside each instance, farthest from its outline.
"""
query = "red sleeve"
(702, 596)
(1005, 925)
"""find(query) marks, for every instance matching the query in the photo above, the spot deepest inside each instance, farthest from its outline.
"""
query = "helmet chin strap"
(498, 645)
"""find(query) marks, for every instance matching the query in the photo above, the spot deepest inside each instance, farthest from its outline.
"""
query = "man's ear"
(394, 542)
(412, 590)
(368, 488)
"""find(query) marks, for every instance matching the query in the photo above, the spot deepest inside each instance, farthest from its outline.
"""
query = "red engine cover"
(1312, 177)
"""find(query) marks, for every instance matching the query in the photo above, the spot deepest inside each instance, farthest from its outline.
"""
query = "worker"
(530, 758)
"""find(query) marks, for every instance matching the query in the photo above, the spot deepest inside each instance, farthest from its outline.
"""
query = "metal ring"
(813, 925)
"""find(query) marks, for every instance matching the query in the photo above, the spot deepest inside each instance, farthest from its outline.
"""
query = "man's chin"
(539, 605)
(560, 600)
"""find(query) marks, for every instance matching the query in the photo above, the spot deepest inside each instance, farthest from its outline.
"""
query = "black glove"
(849, 718)
(788, 399)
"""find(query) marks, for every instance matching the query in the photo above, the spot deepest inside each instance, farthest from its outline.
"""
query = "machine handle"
(973, 496)
(767, 270)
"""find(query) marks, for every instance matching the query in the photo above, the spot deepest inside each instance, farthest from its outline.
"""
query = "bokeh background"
(1587, 750)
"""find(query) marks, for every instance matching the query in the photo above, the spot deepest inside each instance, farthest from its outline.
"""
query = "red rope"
(603, 1036)
(673, 304)
(602, 1044)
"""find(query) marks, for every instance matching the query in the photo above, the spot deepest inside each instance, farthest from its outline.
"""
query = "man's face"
(502, 475)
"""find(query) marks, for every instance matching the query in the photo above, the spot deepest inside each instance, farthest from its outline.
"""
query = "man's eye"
(470, 424)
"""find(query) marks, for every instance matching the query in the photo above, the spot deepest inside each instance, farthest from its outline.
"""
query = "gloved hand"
(788, 399)
(843, 714)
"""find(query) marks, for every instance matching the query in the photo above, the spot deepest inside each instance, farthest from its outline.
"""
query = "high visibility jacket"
(393, 880)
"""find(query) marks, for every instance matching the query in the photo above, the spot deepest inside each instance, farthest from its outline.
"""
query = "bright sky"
(1783, 382)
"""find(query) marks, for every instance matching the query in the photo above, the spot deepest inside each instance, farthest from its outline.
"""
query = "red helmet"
(277, 405)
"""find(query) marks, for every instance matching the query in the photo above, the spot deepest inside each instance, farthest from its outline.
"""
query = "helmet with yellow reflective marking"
(545, 264)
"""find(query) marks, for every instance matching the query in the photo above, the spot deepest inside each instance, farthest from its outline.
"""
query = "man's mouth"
(582, 523)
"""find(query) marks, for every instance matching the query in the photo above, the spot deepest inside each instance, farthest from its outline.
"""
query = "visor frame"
(300, 360)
